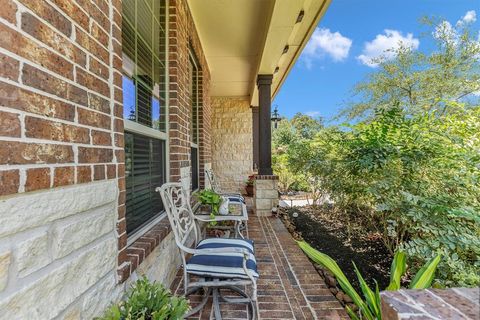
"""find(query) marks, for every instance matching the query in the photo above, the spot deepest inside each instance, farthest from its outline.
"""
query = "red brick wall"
(61, 98)
(57, 101)
(182, 36)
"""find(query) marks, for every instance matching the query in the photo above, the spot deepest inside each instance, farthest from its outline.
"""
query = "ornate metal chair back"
(213, 181)
(180, 214)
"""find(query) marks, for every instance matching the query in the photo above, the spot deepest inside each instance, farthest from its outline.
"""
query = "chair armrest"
(203, 219)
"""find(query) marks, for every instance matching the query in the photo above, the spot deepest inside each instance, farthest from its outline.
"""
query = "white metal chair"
(233, 197)
(218, 263)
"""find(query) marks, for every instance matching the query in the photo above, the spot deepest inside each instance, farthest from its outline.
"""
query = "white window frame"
(128, 68)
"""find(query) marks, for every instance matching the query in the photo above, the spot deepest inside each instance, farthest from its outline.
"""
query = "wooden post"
(264, 82)
(255, 137)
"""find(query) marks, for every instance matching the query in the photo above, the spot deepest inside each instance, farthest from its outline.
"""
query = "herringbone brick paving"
(289, 287)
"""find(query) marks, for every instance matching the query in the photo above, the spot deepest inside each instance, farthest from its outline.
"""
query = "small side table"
(237, 213)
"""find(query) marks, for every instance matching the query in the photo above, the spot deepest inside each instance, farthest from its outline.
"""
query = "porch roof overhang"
(242, 39)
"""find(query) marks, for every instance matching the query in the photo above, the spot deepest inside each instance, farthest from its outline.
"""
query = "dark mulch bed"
(329, 234)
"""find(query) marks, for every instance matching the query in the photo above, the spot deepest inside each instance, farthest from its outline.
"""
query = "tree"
(306, 126)
(417, 82)
(283, 135)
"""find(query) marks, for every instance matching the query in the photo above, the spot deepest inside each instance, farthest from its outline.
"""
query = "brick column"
(265, 196)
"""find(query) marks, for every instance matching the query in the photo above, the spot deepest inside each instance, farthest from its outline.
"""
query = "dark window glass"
(144, 171)
(194, 73)
(194, 159)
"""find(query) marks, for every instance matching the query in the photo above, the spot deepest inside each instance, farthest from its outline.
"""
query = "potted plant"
(249, 185)
(217, 203)
(148, 300)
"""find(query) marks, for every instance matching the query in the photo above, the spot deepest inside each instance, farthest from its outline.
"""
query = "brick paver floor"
(289, 287)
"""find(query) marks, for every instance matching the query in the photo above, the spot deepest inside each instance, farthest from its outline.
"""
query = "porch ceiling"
(242, 39)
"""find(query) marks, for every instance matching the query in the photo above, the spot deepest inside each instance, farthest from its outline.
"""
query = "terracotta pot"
(249, 190)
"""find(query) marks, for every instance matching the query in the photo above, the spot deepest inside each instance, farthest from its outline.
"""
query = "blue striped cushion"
(222, 264)
(212, 243)
(236, 199)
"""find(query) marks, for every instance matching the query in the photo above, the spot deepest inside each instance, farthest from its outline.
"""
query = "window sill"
(142, 246)
(144, 229)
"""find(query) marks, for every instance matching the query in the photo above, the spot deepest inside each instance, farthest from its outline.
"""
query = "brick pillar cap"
(266, 177)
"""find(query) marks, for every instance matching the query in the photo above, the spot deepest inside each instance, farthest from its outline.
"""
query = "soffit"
(244, 38)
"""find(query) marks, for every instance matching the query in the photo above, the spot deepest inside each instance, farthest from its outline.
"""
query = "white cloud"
(326, 43)
(469, 17)
(313, 114)
(381, 46)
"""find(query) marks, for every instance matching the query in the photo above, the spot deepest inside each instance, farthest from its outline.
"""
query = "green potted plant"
(149, 301)
(249, 185)
(216, 203)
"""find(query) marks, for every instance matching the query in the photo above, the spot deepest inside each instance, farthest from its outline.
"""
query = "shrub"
(413, 179)
(148, 301)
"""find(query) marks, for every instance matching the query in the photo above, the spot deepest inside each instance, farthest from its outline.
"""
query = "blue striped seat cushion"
(235, 199)
(222, 264)
(212, 243)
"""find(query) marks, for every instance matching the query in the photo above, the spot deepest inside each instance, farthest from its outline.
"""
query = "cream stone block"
(47, 296)
(32, 254)
(29, 210)
(73, 313)
(68, 237)
(162, 264)
(98, 299)
(265, 184)
(267, 194)
(5, 258)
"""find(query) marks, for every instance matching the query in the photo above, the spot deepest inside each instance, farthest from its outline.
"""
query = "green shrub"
(413, 179)
(148, 301)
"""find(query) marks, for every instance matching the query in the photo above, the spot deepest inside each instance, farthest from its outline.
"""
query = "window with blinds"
(144, 171)
(194, 74)
(143, 41)
(144, 103)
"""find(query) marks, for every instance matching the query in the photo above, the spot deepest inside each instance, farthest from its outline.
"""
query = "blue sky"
(350, 33)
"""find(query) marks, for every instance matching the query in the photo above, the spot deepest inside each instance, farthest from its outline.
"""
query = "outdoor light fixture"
(285, 49)
(275, 117)
(300, 16)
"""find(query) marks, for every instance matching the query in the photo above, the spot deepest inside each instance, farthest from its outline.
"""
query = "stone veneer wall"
(232, 151)
(63, 245)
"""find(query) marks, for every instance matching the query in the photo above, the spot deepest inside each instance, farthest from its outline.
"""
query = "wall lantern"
(275, 117)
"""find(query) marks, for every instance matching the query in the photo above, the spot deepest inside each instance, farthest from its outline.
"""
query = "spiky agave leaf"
(424, 277)
(398, 268)
(333, 267)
